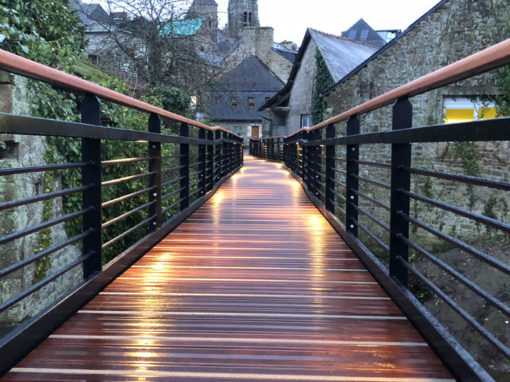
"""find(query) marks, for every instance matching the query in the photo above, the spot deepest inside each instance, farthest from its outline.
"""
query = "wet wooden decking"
(255, 286)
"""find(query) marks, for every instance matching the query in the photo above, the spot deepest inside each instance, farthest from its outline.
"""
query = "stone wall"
(22, 151)
(456, 29)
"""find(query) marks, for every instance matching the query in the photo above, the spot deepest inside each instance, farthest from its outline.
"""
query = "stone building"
(239, 94)
(291, 108)
(450, 31)
(242, 14)
(221, 51)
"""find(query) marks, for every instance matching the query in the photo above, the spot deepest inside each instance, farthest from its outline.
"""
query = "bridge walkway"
(255, 286)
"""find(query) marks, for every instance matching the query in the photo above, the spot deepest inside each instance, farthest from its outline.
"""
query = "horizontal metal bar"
(452, 304)
(173, 205)
(126, 179)
(127, 214)
(15, 124)
(343, 172)
(27, 68)
(374, 182)
(477, 131)
(167, 170)
(373, 164)
(42, 283)
(375, 238)
(195, 164)
(46, 168)
(123, 161)
(370, 216)
(42, 197)
(337, 207)
(13, 268)
(499, 265)
(461, 178)
(459, 276)
(126, 197)
(375, 201)
(459, 211)
(165, 197)
(342, 184)
(170, 182)
(194, 192)
(128, 232)
(338, 195)
(40, 227)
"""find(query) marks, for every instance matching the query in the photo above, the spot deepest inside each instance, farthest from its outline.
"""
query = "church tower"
(242, 13)
(207, 10)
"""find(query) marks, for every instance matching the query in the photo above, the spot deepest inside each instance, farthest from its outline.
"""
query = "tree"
(157, 43)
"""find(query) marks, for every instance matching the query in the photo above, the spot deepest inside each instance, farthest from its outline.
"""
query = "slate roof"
(89, 13)
(251, 78)
(386, 47)
(341, 54)
(250, 75)
(288, 54)
(370, 36)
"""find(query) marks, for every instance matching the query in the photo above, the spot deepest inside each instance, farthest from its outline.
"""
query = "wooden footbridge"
(241, 268)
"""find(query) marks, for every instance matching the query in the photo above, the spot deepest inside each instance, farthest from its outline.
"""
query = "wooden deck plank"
(255, 286)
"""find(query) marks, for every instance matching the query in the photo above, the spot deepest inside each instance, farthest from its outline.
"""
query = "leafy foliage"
(323, 81)
(48, 32)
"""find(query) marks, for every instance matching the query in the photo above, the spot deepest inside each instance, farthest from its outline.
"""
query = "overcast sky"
(290, 18)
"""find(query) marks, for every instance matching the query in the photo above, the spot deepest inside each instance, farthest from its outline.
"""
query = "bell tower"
(241, 14)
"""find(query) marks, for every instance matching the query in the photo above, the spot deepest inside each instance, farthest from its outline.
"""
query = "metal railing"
(328, 166)
(180, 172)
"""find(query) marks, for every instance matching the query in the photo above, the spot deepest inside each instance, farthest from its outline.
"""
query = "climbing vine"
(323, 81)
(49, 32)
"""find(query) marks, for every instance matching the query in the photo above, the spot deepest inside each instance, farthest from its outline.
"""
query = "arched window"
(249, 19)
(245, 18)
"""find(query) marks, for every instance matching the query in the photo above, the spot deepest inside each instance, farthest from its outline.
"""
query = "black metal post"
(352, 183)
(155, 166)
(91, 174)
(184, 164)
(400, 181)
(317, 162)
(217, 157)
(210, 161)
(330, 170)
(202, 158)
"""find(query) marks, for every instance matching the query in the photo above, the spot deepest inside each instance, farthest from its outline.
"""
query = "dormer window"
(364, 34)
(233, 102)
(251, 102)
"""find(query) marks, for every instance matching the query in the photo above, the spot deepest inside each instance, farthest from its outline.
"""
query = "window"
(249, 19)
(251, 102)
(306, 120)
(233, 102)
(268, 99)
(352, 34)
(364, 34)
(462, 109)
(245, 18)
(94, 59)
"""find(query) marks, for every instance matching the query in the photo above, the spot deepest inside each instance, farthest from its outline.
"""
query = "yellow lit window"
(487, 113)
(459, 115)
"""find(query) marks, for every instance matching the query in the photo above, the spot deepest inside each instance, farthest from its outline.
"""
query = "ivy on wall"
(49, 32)
(323, 81)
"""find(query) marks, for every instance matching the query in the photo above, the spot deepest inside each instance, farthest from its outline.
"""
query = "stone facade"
(23, 151)
(452, 30)
(242, 14)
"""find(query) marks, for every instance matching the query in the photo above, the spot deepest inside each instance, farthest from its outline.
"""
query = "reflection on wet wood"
(255, 286)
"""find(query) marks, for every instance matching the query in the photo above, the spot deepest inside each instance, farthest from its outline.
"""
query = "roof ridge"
(344, 38)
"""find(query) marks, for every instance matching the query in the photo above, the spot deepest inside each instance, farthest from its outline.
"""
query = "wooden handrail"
(27, 68)
(481, 62)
